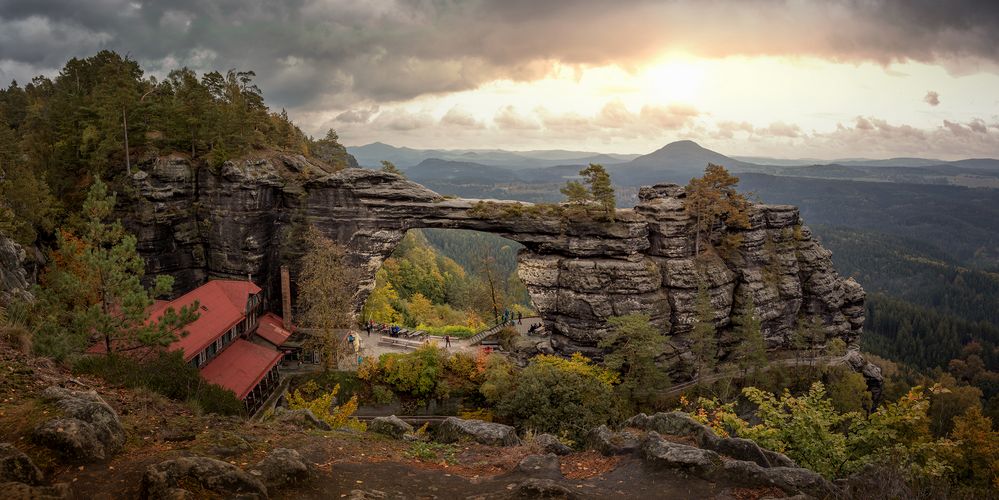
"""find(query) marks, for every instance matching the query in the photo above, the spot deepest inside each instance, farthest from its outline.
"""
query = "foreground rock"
(608, 442)
(16, 467)
(454, 429)
(680, 424)
(551, 444)
(391, 426)
(544, 466)
(301, 418)
(87, 430)
(172, 478)
(707, 464)
(283, 466)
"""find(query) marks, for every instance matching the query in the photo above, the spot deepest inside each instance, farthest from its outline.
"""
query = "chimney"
(285, 298)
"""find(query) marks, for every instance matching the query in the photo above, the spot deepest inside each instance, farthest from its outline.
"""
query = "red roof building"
(244, 368)
(228, 312)
(272, 329)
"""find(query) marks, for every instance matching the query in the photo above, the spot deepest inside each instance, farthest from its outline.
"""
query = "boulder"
(391, 426)
(546, 466)
(21, 491)
(551, 444)
(680, 457)
(608, 442)
(165, 479)
(301, 418)
(15, 466)
(88, 429)
(282, 466)
(454, 429)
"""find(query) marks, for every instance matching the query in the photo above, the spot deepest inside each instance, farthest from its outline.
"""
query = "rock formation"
(240, 220)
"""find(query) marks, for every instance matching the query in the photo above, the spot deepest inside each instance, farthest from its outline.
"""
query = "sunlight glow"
(672, 80)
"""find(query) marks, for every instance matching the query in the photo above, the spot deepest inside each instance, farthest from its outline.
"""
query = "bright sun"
(672, 80)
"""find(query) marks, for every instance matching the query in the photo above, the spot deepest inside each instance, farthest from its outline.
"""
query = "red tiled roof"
(222, 305)
(241, 366)
(271, 328)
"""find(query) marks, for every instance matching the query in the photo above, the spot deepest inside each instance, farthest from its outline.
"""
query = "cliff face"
(238, 221)
(13, 277)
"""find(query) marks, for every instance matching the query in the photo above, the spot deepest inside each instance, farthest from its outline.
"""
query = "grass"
(433, 452)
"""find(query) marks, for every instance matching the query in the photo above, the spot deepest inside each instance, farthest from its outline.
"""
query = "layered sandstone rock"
(238, 220)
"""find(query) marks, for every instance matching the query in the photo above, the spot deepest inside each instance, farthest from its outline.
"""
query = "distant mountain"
(459, 172)
(371, 155)
(675, 162)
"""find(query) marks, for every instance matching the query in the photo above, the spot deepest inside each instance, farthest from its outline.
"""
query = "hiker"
(447, 341)
(520, 318)
(368, 328)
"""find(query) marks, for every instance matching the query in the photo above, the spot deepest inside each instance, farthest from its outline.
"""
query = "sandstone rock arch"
(194, 224)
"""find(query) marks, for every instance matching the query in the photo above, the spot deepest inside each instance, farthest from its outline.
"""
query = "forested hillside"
(101, 115)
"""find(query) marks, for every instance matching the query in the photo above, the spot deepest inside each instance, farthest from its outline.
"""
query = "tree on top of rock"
(390, 167)
(597, 189)
(713, 198)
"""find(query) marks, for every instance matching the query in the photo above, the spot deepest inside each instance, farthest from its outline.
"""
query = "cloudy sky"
(788, 78)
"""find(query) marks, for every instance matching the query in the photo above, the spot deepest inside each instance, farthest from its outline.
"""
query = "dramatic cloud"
(333, 52)
(932, 98)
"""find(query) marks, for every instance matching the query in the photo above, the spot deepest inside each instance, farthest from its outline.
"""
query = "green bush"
(559, 396)
(166, 374)
(456, 331)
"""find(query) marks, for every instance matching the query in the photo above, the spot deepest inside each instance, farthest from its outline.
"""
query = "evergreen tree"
(751, 350)
(93, 287)
(713, 198)
(704, 345)
(390, 167)
(633, 344)
(601, 190)
(576, 193)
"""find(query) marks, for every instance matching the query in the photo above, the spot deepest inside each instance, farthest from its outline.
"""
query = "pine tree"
(634, 343)
(751, 350)
(576, 193)
(713, 198)
(601, 190)
(390, 167)
(704, 346)
(93, 286)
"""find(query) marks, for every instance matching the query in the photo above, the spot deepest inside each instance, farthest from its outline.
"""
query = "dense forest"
(100, 115)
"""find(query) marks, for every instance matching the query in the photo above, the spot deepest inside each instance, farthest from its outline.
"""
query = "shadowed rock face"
(234, 222)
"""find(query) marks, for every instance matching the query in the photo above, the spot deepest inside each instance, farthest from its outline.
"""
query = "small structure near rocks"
(164, 480)
(391, 426)
(454, 429)
(88, 429)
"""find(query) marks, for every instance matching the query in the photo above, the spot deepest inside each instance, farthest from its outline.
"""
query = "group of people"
(512, 318)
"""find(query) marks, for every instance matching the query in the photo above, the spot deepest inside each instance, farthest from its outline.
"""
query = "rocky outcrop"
(710, 465)
(551, 444)
(21, 491)
(680, 424)
(13, 277)
(87, 430)
(608, 442)
(282, 466)
(241, 219)
(454, 429)
(167, 480)
(391, 426)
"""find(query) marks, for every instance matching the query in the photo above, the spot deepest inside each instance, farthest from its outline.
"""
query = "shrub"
(456, 331)
(320, 403)
(166, 374)
(566, 397)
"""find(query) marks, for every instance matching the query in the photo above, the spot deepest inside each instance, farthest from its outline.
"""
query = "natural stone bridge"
(194, 223)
